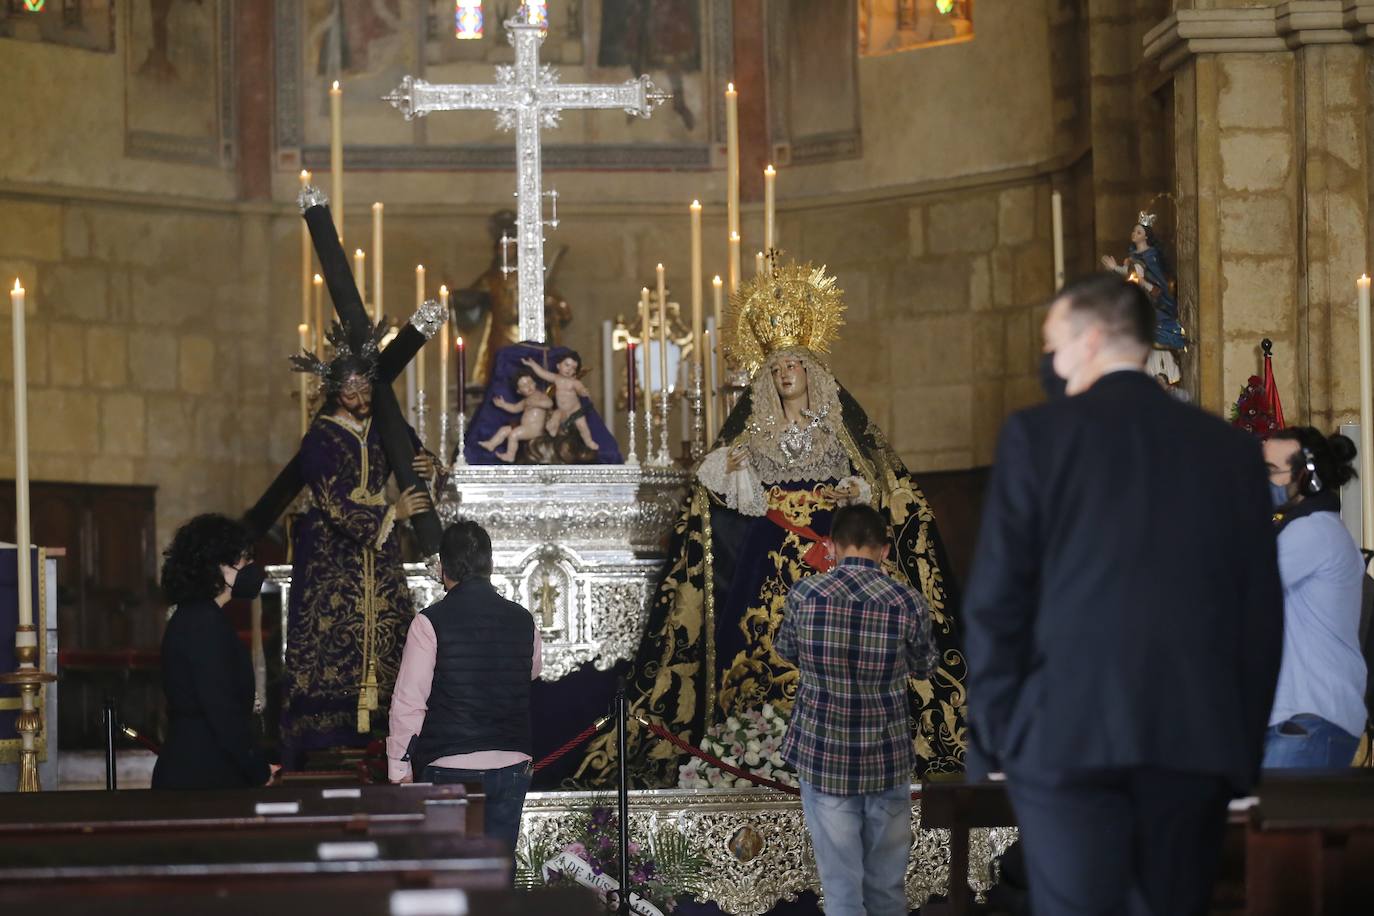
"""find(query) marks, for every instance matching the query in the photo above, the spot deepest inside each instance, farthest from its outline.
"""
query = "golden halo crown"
(792, 305)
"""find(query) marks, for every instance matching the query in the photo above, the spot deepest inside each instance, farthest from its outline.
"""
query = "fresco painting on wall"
(813, 81)
(369, 45)
(172, 100)
(887, 26)
(85, 24)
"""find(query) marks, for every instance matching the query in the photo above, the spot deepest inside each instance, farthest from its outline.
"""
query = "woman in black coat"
(206, 672)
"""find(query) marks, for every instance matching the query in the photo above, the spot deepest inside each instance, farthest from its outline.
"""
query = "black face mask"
(248, 583)
(1055, 387)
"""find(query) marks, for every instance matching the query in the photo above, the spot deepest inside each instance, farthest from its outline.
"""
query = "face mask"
(1278, 494)
(248, 582)
(1055, 387)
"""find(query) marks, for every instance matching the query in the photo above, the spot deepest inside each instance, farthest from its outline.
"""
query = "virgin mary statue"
(757, 519)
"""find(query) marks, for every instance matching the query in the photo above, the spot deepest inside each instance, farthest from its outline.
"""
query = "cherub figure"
(534, 406)
(568, 392)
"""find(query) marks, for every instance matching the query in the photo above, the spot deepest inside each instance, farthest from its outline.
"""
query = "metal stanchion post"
(111, 726)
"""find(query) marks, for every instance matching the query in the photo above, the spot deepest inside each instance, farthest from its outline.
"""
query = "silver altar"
(581, 546)
(756, 842)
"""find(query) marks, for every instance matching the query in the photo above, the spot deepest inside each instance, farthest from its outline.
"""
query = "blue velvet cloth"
(1169, 333)
(489, 418)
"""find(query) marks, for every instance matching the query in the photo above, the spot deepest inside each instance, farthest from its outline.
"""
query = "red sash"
(818, 555)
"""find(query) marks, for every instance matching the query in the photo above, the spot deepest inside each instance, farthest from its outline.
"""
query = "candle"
(732, 160)
(630, 380)
(419, 376)
(1057, 217)
(770, 176)
(1366, 415)
(713, 351)
(360, 272)
(336, 155)
(697, 362)
(758, 264)
(462, 375)
(443, 361)
(607, 383)
(645, 342)
(21, 469)
(305, 259)
(662, 331)
(734, 263)
(317, 289)
(303, 330)
(377, 262)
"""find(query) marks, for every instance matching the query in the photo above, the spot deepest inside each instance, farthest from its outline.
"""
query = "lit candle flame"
(358, 253)
(17, 287)
(419, 268)
(770, 170)
(715, 281)
(458, 344)
(303, 329)
(443, 289)
(318, 279)
(335, 87)
(305, 176)
(729, 87)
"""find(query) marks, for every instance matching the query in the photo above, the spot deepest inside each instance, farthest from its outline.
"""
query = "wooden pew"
(326, 902)
(368, 809)
(211, 863)
(958, 806)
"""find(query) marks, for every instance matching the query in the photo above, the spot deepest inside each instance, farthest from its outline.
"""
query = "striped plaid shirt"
(855, 634)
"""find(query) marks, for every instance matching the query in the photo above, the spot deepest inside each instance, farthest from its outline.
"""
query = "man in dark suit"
(1124, 621)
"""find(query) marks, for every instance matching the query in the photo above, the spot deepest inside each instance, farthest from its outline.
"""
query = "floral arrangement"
(669, 868)
(751, 741)
(1251, 411)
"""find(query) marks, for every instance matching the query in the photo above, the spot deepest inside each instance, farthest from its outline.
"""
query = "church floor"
(84, 770)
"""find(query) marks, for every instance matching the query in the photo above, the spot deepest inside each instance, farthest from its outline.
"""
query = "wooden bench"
(957, 806)
(359, 809)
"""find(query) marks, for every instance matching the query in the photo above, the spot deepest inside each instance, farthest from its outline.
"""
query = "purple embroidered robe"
(350, 606)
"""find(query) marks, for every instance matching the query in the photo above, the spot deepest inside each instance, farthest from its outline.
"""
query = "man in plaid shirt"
(855, 635)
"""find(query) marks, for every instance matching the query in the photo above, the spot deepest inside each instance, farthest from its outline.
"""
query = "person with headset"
(1319, 710)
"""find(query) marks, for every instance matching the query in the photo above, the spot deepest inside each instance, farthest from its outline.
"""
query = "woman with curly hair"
(1319, 709)
(206, 672)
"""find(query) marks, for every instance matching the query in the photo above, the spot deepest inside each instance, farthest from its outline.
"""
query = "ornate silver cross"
(527, 96)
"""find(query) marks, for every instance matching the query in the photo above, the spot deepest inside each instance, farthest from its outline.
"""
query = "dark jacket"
(208, 679)
(479, 699)
(1125, 608)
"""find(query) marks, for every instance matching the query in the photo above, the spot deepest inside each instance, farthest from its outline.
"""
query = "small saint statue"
(1146, 264)
(488, 310)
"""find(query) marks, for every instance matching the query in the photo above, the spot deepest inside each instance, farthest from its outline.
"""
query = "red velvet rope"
(716, 761)
(581, 737)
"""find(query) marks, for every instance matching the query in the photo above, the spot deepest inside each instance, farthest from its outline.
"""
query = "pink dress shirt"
(409, 702)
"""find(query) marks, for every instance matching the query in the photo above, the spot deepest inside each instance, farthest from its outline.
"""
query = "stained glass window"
(467, 17)
(886, 26)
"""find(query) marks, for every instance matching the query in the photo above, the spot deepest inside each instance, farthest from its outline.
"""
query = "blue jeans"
(1308, 742)
(862, 843)
(505, 789)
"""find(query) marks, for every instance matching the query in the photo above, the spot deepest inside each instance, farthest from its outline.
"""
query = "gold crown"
(796, 305)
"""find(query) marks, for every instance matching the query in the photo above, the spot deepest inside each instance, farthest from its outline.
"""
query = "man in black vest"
(1124, 621)
(461, 709)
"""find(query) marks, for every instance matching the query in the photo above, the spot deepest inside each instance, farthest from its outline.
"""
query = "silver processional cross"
(527, 96)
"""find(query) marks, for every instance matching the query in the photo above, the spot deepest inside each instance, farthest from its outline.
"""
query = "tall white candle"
(443, 362)
(758, 264)
(734, 263)
(21, 466)
(607, 374)
(360, 273)
(336, 156)
(645, 370)
(1057, 217)
(377, 262)
(321, 326)
(716, 322)
(732, 159)
(770, 176)
(418, 377)
(1366, 415)
(698, 364)
(709, 379)
(662, 330)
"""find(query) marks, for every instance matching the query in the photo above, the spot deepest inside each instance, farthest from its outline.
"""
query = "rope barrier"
(716, 761)
(581, 738)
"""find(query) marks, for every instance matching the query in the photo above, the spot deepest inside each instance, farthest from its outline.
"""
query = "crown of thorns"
(364, 360)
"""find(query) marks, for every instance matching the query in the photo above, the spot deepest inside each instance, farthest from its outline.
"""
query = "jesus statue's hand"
(413, 501)
(423, 465)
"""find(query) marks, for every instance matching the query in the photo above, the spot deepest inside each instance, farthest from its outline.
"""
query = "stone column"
(1272, 134)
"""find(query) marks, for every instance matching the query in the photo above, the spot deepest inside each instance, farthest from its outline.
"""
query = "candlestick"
(714, 389)
(607, 382)
(734, 263)
(21, 459)
(770, 176)
(665, 456)
(336, 156)
(697, 360)
(462, 376)
(758, 264)
(377, 262)
(1366, 415)
(710, 386)
(443, 373)
(630, 457)
(317, 294)
(305, 260)
(360, 272)
(303, 330)
(1057, 218)
(643, 354)
(631, 378)
(662, 330)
